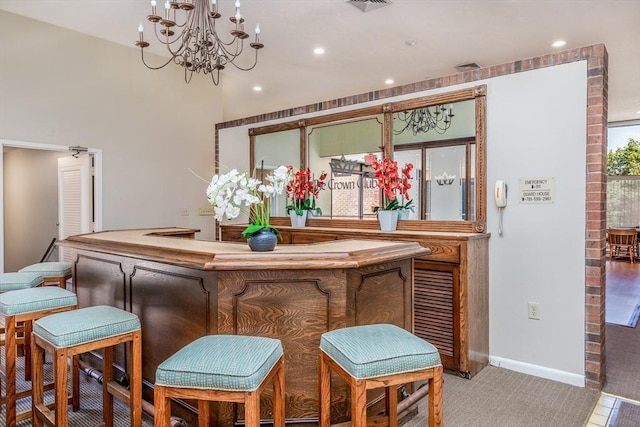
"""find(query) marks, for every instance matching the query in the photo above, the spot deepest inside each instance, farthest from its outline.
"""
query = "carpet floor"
(623, 362)
(496, 397)
(626, 414)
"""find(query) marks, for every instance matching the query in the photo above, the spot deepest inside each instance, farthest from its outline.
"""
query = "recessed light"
(410, 42)
(389, 82)
(318, 51)
(558, 43)
(257, 88)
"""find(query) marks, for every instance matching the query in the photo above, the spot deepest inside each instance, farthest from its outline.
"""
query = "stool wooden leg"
(324, 415)
(61, 397)
(135, 396)
(278, 396)
(204, 413)
(37, 376)
(359, 403)
(28, 326)
(162, 407)
(10, 370)
(75, 383)
(107, 377)
(435, 398)
(252, 409)
(391, 405)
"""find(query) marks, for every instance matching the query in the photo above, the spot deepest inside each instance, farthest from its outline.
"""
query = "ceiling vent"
(467, 67)
(368, 5)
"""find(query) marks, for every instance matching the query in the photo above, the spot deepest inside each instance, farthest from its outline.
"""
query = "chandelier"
(422, 120)
(197, 46)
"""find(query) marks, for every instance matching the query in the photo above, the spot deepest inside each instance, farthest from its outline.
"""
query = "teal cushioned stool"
(13, 282)
(227, 368)
(25, 306)
(19, 280)
(377, 356)
(52, 272)
(86, 329)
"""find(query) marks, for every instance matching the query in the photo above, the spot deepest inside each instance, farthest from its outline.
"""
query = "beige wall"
(63, 88)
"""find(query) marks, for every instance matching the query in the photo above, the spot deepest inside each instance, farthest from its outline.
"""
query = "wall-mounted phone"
(500, 193)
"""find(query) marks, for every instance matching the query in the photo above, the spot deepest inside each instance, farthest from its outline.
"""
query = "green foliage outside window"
(624, 160)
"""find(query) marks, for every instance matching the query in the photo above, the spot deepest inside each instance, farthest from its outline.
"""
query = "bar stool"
(79, 331)
(376, 356)
(19, 280)
(13, 282)
(26, 305)
(227, 368)
(52, 272)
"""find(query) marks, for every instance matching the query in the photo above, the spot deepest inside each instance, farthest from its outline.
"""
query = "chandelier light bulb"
(257, 29)
(140, 28)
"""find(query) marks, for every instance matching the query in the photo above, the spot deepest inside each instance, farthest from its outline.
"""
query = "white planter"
(298, 221)
(388, 220)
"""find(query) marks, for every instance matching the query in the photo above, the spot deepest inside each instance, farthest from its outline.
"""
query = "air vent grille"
(368, 5)
(467, 67)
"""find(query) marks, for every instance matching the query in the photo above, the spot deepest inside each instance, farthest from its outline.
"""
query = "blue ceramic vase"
(263, 240)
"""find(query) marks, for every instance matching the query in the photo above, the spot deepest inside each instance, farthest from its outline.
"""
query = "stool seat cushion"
(221, 362)
(84, 325)
(35, 299)
(378, 350)
(50, 269)
(19, 280)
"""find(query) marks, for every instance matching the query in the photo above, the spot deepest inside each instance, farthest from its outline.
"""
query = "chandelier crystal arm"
(199, 47)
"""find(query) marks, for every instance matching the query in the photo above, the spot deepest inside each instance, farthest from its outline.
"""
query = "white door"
(75, 198)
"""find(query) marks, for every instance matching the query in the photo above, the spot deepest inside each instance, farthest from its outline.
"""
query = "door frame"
(97, 199)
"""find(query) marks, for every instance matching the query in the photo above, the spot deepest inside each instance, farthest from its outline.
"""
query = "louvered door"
(436, 308)
(74, 199)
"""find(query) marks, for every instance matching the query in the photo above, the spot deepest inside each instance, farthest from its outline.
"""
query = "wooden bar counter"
(183, 289)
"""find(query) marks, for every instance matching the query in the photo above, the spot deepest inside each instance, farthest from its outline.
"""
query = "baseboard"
(538, 371)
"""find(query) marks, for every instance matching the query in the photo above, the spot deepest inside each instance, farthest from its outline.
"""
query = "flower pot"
(298, 221)
(263, 240)
(388, 219)
(403, 214)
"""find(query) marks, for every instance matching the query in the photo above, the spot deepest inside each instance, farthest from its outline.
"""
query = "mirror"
(440, 142)
(442, 135)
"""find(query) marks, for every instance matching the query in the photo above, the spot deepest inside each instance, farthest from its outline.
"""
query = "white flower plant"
(232, 193)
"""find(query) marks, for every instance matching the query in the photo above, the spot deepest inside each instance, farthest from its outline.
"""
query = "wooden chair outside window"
(623, 242)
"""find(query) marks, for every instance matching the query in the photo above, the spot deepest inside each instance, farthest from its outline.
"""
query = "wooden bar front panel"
(176, 305)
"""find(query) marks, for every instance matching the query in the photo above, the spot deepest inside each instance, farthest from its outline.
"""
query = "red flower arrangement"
(303, 190)
(391, 182)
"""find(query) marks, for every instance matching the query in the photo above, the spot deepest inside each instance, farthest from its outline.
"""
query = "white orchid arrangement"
(235, 192)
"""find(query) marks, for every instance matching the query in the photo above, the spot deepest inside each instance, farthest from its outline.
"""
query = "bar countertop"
(165, 245)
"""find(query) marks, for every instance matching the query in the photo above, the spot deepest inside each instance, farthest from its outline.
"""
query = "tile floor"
(604, 414)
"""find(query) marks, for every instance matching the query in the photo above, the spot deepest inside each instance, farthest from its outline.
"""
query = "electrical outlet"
(184, 212)
(534, 310)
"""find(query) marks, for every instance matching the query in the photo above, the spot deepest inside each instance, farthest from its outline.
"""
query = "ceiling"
(363, 49)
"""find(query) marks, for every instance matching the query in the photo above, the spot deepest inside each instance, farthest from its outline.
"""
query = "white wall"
(62, 87)
(536, 127)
